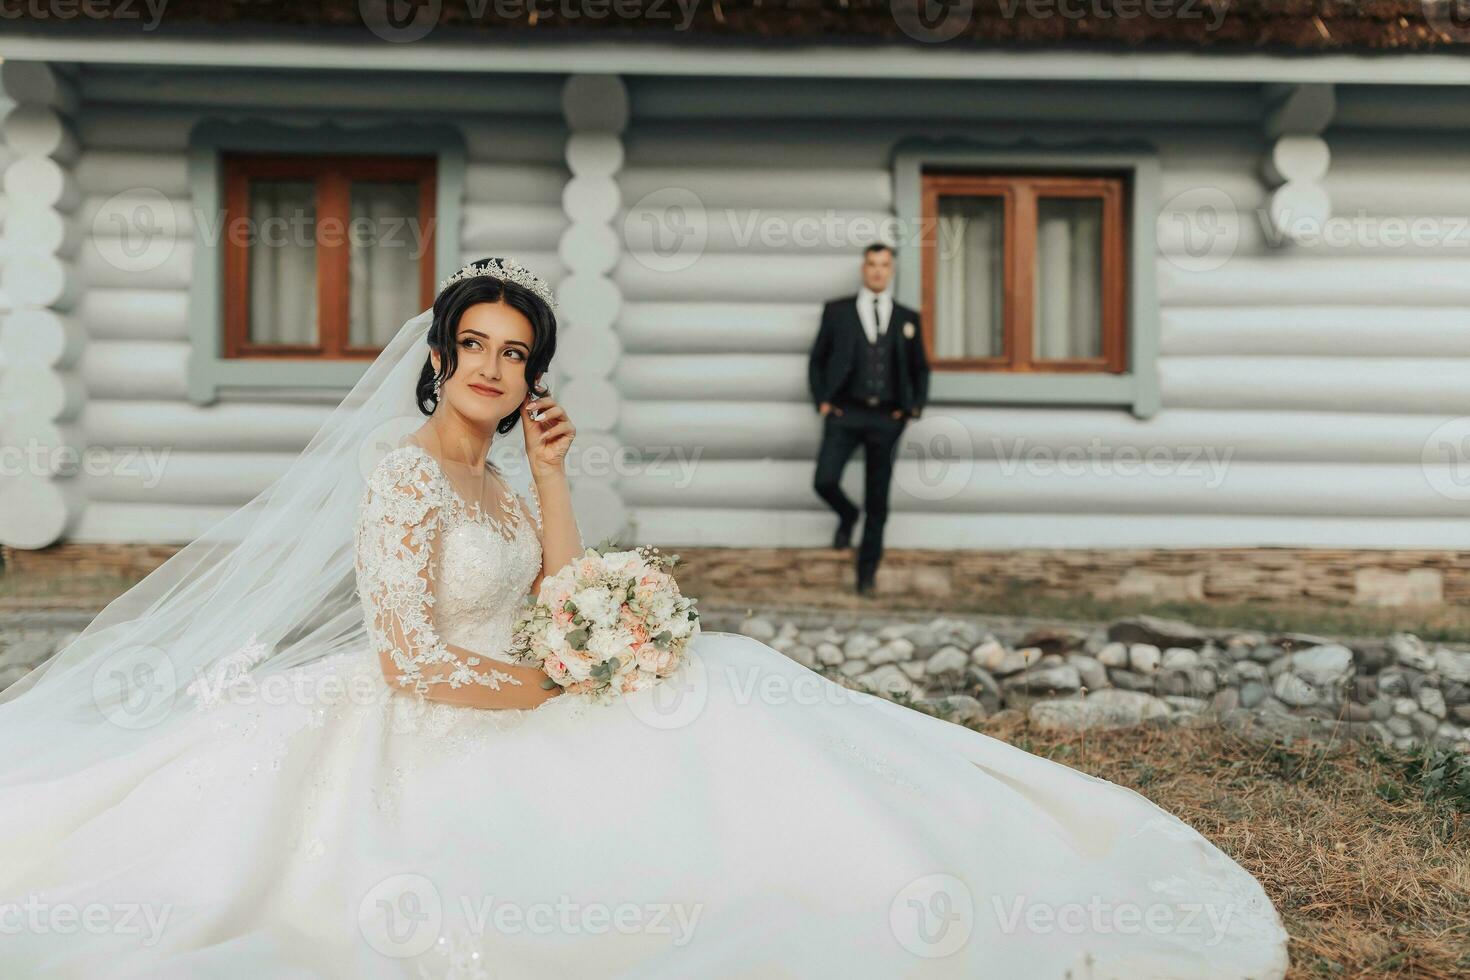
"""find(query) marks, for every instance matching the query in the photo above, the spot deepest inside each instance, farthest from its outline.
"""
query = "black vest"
(874, 378)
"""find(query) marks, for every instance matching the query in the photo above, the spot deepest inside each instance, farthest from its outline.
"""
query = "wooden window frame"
(333, 176)
(1019, 194)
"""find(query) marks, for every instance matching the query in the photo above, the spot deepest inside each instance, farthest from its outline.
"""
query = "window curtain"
(1068, 318)
(969, 280)
(283, 262)
(384, 261)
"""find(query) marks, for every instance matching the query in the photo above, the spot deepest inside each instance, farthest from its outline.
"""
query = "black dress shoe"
(865, 587)
(843, 537)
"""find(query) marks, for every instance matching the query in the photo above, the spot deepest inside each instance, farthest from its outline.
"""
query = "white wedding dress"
(745, 819)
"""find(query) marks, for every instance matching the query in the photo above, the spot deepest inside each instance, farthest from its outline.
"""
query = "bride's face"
(493, 342)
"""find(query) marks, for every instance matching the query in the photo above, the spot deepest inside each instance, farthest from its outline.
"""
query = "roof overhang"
(640, 57)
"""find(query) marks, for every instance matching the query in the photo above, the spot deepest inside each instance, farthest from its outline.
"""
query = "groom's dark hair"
(450, 306)
(877, 247)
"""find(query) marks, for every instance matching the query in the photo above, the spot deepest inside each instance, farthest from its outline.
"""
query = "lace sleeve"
(397, 539)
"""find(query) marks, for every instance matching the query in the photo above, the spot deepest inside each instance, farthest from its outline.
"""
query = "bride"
(295, 750)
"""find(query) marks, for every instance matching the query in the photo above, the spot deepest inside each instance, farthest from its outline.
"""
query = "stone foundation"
(1225, 575)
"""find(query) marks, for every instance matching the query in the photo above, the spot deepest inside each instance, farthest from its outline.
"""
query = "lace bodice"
(433, 570)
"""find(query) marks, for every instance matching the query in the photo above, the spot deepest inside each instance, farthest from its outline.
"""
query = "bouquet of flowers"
(607, 624)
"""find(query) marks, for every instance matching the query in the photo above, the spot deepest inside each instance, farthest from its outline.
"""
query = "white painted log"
(592, 401)
(769, 187)
(1286, 281)
(31, 388)
(103, 173)
(41, 336)
(590, 199)
(588, 353)
(134, 314)
(40, 449)
(985, 486)
(141, 211)
(176, 523)
(1240, 188)
(1320, 331)
(138, 128)
(590, 248)
(757, 231)
(37, 82)
(588, 302)
(31, 279)
(594, 152)
(162, 263)
(511, 183)
(1426, 385)
(44, 182)
(226, 426)
(675, 527)
(730, 277)
(41, 230)
(1300, 210)
(597, 102)
(35, 512)
(531, 139)
(1297, 158)
(734, 377)
(1300, 108)
(485, 227)
(136, 369)
(160, 475)
(700, 429)
(695, 327)
(1392, 190)
(38, 130)
(599, 509)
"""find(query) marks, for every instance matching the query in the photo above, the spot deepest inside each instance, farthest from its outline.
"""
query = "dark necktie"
(877, 323)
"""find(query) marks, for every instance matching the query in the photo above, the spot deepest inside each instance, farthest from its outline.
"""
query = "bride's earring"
(438, 389)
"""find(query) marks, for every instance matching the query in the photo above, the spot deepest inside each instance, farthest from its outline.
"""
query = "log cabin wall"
(134, 127)
(1320, 375)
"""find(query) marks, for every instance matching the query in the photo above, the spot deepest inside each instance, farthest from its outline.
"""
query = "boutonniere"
(908, 329)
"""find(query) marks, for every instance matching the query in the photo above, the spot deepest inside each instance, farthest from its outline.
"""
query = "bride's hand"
(549, 437)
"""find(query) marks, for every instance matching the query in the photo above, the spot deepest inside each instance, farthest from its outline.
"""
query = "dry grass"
(1365, 851)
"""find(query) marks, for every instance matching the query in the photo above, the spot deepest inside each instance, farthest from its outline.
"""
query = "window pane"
(1068, 278)
(385, 247)
(969, 284)
(283, 262)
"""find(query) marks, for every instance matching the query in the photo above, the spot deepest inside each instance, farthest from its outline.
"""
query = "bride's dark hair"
(450, 306)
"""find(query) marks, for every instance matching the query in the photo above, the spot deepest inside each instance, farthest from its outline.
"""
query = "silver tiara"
(508, 270)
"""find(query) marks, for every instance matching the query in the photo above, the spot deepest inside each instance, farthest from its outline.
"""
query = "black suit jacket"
(837, 347)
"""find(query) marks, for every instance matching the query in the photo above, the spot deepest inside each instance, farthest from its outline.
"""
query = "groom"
(868, 376)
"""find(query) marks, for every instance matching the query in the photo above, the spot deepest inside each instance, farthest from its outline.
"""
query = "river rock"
(1156, 631)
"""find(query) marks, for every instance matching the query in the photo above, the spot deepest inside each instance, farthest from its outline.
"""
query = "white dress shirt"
(865, 311)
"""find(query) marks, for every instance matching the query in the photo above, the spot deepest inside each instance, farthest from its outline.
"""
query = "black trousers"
(877, 432)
